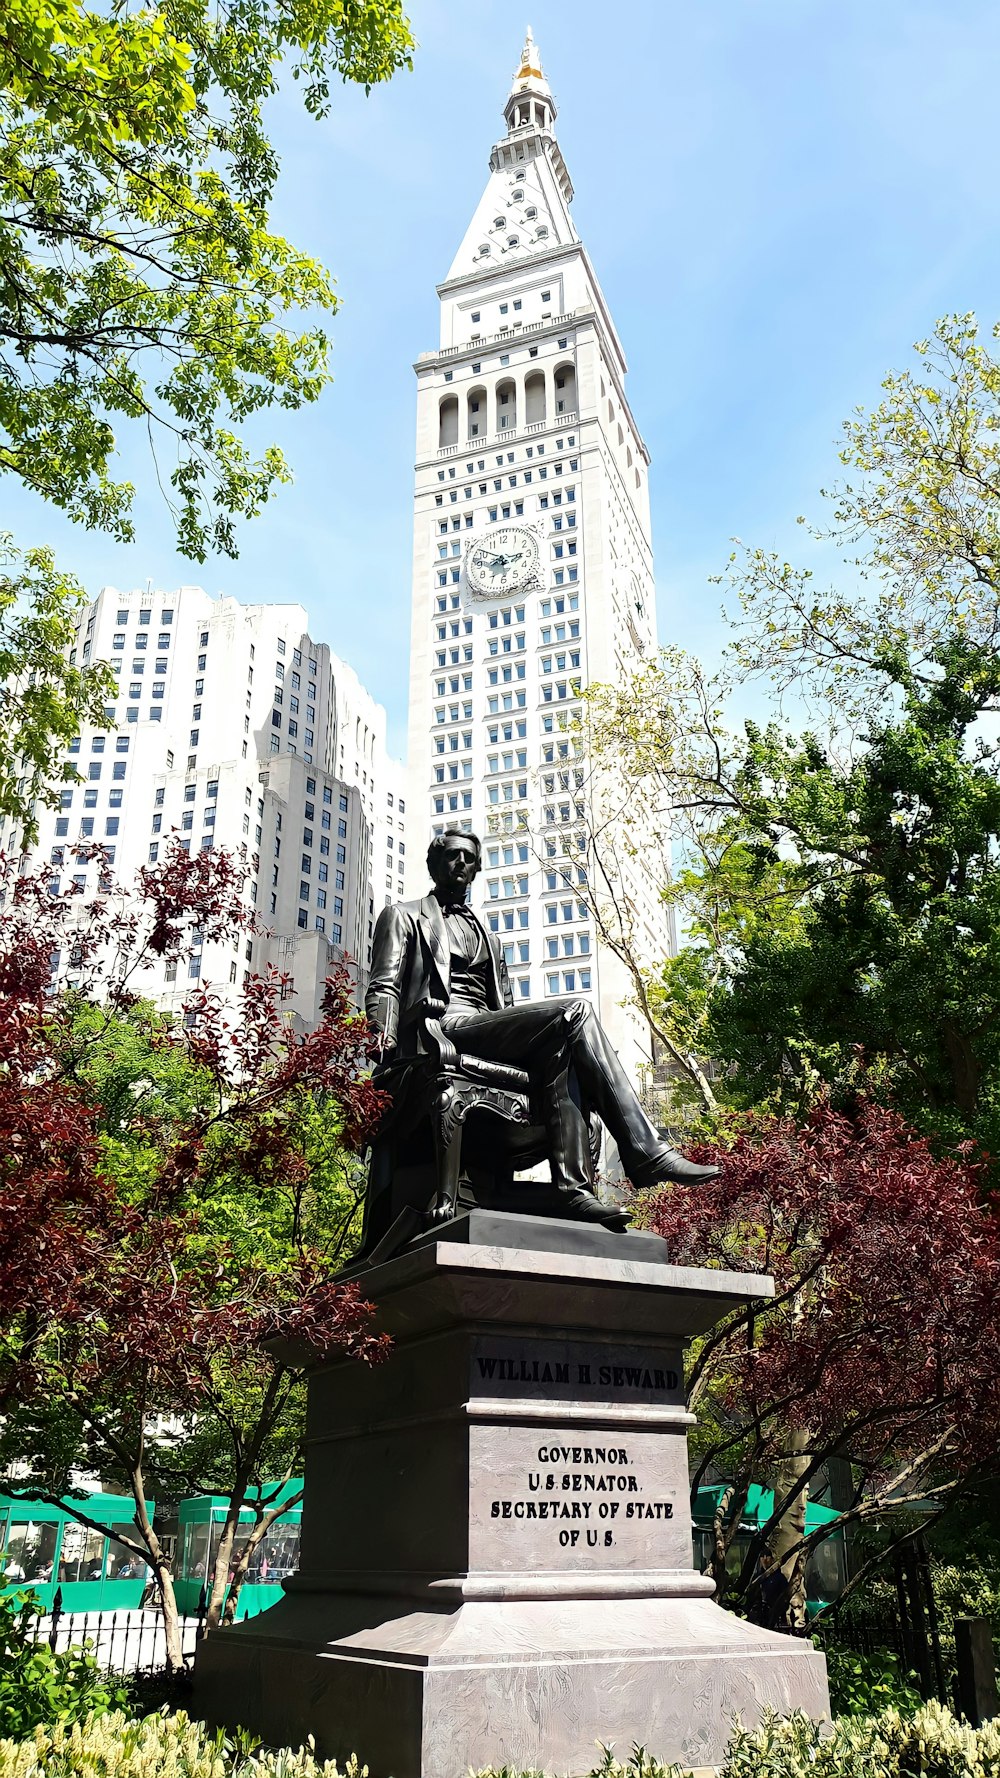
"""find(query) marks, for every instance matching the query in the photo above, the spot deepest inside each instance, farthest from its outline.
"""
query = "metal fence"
(121, 1642)
(904, 1624)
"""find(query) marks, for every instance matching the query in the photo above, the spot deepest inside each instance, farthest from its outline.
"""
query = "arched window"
(534, 397)
(448, 422)
(565, 389)
(476, 408)
(506, 405)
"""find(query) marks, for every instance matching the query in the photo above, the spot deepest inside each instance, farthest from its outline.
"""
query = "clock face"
(503, 560)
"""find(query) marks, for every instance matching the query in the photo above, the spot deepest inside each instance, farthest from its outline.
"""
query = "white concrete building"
(234, 728)
(532, 562)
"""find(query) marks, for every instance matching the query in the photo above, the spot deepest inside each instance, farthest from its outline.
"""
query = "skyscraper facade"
(232, 727)
(532, 564)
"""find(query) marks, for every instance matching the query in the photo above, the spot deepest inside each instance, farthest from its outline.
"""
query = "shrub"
(969, 1590)
(115, 1746)
(639, 1764)
(864, 1684)
(929, 1744)
(38, 1686)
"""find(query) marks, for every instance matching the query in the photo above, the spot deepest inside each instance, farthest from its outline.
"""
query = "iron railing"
(122, 1642)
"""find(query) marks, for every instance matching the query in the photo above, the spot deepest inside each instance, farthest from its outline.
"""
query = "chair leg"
(447, 1130)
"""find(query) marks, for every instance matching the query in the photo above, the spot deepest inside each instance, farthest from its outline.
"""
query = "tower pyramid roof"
(525, 207)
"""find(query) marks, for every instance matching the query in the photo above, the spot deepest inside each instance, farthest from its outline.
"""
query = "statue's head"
(454, 860)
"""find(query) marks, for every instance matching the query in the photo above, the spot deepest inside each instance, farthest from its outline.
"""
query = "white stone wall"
(233, 728)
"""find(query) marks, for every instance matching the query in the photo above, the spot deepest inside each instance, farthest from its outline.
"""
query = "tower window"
(546, 296)
(499, 222)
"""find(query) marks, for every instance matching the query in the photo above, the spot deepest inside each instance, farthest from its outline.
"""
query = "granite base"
(496, 1543)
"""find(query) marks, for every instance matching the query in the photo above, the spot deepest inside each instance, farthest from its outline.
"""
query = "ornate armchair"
(439, 1138)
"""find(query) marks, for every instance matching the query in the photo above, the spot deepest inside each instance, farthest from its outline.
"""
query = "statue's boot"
(568, 1132)
(668, 1166)
(585, 1206)
(645, 1159)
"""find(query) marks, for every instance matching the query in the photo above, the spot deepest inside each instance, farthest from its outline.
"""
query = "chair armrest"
(500, 1074)
(431, 1036)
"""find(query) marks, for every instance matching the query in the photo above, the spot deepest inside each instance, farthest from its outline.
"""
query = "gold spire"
(530, 65)
(531, 61)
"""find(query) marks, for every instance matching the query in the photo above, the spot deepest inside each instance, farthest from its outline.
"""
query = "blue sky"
(779, 197)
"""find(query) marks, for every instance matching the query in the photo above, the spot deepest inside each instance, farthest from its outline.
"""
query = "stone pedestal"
(496, 1559)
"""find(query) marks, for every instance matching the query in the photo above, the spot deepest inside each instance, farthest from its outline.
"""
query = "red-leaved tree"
(173, 1198)
(880, 1343)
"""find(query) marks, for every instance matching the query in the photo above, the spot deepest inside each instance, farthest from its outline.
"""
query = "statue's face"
(455, 866)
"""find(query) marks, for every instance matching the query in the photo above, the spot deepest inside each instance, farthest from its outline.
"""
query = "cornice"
(489, 273)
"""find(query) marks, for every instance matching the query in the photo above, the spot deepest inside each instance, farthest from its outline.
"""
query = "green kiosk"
(826, 1570)
(200, 1519)
(46, 1549)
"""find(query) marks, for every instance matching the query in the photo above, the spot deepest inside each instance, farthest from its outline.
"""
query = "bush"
(37, 1686)
(864, 1684)
(968, 1590)
(639, 1764)
(929, 1744)
(115, 1746)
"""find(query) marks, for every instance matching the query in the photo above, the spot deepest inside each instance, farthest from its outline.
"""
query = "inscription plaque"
(599, 1485)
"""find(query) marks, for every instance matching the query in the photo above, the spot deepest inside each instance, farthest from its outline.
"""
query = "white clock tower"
(532, 563)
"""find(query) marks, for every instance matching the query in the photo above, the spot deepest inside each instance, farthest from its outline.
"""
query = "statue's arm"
(387, 977)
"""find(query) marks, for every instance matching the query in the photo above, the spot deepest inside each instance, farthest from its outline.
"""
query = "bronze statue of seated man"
(437, 952)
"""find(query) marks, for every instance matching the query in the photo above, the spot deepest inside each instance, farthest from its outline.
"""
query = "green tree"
(141, 283)
(139, 277)
(895, 951)
(44, 693)
(836, 888)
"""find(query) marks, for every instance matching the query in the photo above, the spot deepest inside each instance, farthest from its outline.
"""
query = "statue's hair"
(451, 833)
